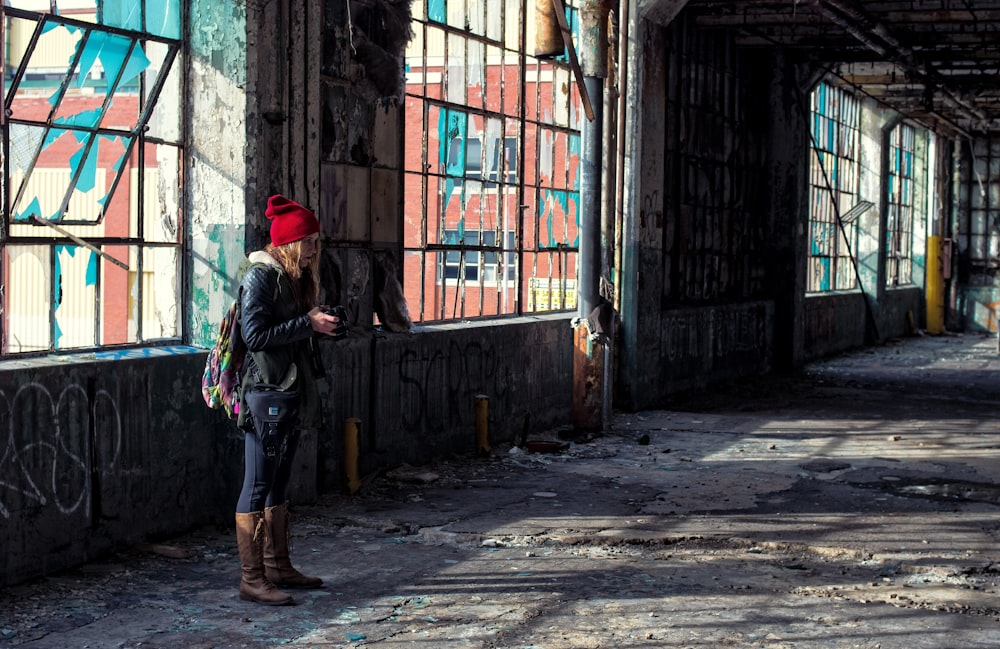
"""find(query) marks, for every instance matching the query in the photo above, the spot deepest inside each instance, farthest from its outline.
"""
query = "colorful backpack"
(220, 384)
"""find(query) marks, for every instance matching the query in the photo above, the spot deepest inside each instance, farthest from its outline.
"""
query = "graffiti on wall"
(683, 335)
(52, 445)
(738, 332)
(465, 370)
(711, 335)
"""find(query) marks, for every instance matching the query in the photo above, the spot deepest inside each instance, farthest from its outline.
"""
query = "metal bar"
(79, 241)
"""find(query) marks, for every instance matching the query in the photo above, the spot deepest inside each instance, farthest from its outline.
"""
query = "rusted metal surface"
(588, 381)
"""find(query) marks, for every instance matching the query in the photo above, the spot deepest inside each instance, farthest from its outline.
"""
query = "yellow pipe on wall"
(935, 285)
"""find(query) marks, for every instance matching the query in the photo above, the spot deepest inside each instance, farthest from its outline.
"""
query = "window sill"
(71, 358)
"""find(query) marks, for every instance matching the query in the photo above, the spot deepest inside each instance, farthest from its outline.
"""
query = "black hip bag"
(274, 412)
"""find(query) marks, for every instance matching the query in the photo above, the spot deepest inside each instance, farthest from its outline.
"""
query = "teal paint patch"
(453, 128)
(224, 256)
(118, 56)
(91, 52)
(126, 14)
(218, 37)
(53, 135)
(33, 209)
(163, 18)
(83, 119)
(91, 278)
(437, 11)
(144, 352)
(58, 279)
(203, 329)
(87, 178)
(136, 64)
(573, 22)
(562, 198)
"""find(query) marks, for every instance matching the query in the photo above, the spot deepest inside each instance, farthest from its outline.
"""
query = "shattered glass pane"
(28, 299)
(126, 14)
(164, 120)
(75, 322)
(494, 19)
(117, 287)
(160, 306)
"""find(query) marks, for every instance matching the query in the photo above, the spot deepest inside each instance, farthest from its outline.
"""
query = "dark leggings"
(265, 478)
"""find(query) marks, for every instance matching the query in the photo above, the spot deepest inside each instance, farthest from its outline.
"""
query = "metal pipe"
(590, 201)
(623, 71)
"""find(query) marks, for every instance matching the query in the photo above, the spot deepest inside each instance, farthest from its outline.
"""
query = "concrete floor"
(857, 505)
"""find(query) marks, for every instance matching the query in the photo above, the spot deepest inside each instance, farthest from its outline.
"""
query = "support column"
(588, 359)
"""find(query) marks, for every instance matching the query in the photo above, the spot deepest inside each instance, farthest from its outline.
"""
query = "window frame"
(900, 206)
(834, 185)
(532, 109)
(132, 69)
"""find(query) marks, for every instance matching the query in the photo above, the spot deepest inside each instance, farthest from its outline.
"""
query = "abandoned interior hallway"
(856, 504)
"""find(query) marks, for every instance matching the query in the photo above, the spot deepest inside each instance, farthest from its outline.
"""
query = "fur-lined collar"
(262, 257)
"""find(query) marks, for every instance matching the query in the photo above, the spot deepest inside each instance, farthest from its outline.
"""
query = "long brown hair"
(303, 280)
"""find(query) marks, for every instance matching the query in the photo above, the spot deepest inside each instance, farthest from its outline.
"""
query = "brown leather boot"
(277, 566)
(254, 586)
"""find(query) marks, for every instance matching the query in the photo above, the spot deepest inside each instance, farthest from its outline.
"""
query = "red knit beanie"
(289, 220)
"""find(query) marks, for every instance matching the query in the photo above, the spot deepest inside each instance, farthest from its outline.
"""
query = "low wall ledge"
(103, 356)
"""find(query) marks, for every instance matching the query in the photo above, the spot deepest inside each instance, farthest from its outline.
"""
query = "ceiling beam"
(661, 12)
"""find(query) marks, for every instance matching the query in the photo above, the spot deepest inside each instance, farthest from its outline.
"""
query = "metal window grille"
(712, 148)
(492, 165)
(899, 226)
(91, 233)
(833, 178)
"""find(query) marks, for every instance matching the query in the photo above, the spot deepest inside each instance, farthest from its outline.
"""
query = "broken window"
(492, 164)
(91, 231)
(899, 204)
(833, 190)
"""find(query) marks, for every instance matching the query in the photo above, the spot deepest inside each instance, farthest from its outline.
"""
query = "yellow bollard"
(351, 454)
(482, 425)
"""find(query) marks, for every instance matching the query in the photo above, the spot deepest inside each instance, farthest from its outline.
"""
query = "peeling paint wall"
(216, 181)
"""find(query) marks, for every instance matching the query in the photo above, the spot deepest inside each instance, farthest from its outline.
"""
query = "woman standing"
(279, 314)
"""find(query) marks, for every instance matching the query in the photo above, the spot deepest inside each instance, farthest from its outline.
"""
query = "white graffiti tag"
(46, 446)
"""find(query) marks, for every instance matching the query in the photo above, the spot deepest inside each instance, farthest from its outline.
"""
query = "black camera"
(340, 312)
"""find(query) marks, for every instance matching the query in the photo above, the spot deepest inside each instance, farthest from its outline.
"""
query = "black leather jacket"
(277, 334)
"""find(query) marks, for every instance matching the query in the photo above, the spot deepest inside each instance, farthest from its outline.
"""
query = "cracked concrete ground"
(854, 505)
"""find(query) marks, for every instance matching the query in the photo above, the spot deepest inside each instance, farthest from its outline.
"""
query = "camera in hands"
(340, 312)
